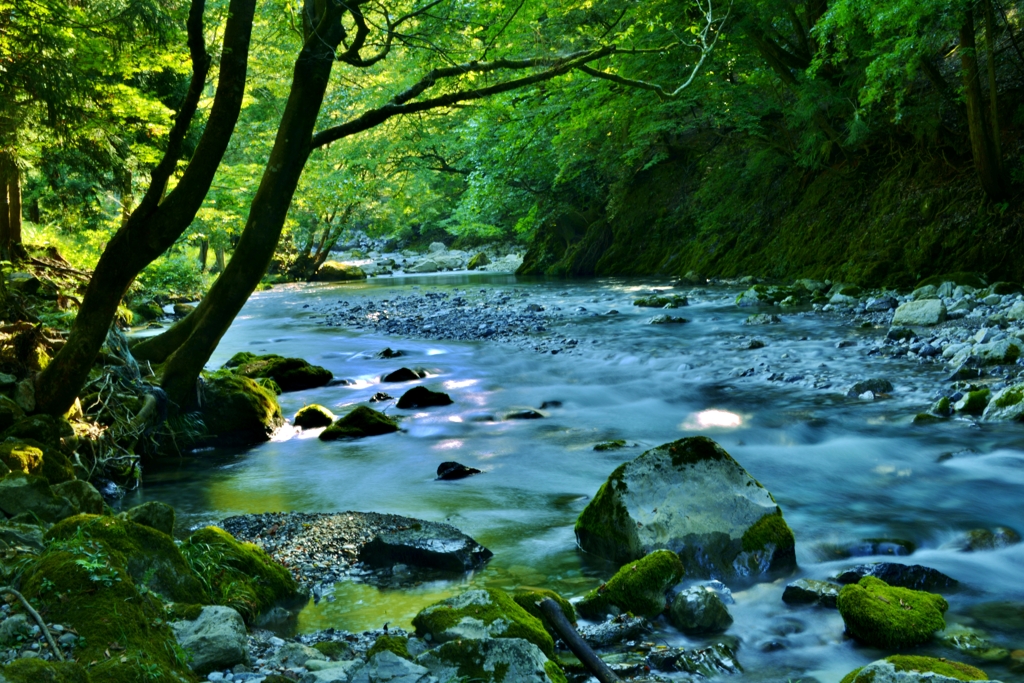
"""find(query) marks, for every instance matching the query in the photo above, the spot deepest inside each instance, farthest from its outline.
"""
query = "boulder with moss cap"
(491, 660)
(638, 587)
(358, 423)
(481, 613)
(693, 498)
(528, 598)
(313, 416)
(889, 617)
(290, 374)
(914, 669)
(154, 514)
(1007, 405)
(237, 411)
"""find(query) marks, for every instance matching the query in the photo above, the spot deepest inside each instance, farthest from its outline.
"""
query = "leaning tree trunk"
(189, 344)
(155, 225)
(986, 159)
(5, 210)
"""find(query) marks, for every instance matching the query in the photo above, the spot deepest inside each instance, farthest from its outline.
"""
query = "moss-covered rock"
(528, 597)
(481, 613)
(147, 311)
(335, 650)
(889, 617)
(693, 498)
(10, 412)
(638, 587)
(32, 457)
(359, 422)
(421, 397)
(240, 575)
(914, 669)
(658, 301)
(40, 671)
(44, 429)
(82, 587)
(154, 514)
(22, 493)
(236, 411)
(290, 374)
(313, 416)
(491, 660)
(150, 557)
(477, 261)
(973, 402)
(399, 645)
(610, 445)
(333, 271)
(82, 495)
(1007, 405)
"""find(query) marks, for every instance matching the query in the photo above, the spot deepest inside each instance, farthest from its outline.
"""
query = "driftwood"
(557, 620)
(38, 619)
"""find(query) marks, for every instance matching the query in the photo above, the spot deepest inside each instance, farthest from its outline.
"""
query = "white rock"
(216, 639)
(921, 312)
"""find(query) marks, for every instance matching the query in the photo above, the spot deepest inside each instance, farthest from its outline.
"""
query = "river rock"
(83, 496)
(478, 261)
(972, 642)
(295, 654)
(387, 667)
(491, 660)
(451, 470)
(762, 319)
(424, 266)
(885, 616)
(920, 312)
(14, 627)
(437, 248)
(236, 411)
(637, 588)
(811, 592)
(699, 610)
(24, 493)
(428, 545)
(1007, 405)
(912, 576)
(333, 271)
(875, 386)
(988, 539)
(522, 414)
(481, 613)
(700, 663)
(614, 630)
(25, 535)
(403, 375)
(1016, 311)
(216, 640)
(658, 301)
(154, 514)
(693, 498)
(915, 669)
(313, 416)
(291, 374)
(338, 672)
(664, 319)
(358, 423)
(421, 397)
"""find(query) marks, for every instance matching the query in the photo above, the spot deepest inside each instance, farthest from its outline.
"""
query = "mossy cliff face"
(911, 669)
(481, 613)
(239, 575)
(149, 556)
(889, 617)
(638, 587)
(237, 411)
(693, 498)
(726, 210)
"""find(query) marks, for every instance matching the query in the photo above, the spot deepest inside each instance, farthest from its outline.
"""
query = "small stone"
(451, 470)
(811, 592)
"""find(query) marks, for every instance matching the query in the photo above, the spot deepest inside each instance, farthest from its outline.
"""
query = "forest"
(223, 222)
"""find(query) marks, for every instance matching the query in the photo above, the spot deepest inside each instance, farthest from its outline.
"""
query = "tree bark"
(986, 161)
(218, 256)
(5, 210)
(255, 249)
(14, 203)
(204, 254)
(154, 225)
(993, 92)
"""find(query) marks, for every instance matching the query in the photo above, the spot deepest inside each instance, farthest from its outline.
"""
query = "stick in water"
(38, 619)
(557, 620)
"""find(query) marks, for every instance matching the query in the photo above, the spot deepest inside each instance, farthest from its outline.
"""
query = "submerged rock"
(811, 592)
(481, 614)
(664, 319)
(973, 643)
(875, 386)
(699, 610)
(657, 301)
(216, 640)
(451, 470)
(912, 576)
(988, 539)
(693, 498)
(429, 545)
(638, 588)
(615, 630)
(358, 423)
(421, 397)
(889, 617)
(703, 663)
(914, 669)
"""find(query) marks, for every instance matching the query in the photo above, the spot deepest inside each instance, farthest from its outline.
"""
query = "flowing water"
(842, 469)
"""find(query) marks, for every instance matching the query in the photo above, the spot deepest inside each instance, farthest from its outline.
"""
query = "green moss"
(974, 402)
(313, 416)
(39, 671)
(769, 530)
(638, 587)
(334, 650)
(238, 411)
(333, 271)
(290, 374)
(492, 608)
(554, 672)
(942, 667)
(975, 280)
(1010, 397)
(654, 301)
(88, 592)
(182, 611)
(359, 422)
(396, 644)
(31, 457)
(150, 556)
(890, 617)
(239, 575)
(527, 598)
(610, 445)
(603, 526)
(695, 449)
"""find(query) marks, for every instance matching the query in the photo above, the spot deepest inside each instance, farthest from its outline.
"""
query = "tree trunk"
(211, 319)
(993, 93)
(218, 254)
(127, 197)
(986, 161)
(155, 225)
(204, 254)
(14, 203)
(5, 210)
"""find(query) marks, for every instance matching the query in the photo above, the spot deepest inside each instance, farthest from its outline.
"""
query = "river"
(842, 469)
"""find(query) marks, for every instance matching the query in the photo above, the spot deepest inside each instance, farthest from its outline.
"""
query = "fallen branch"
(38, 619)
(557, 620)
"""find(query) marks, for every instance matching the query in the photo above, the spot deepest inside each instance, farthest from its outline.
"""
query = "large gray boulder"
(693, 498)
(921, 312)
(491, 660)
(424, 266)
(296, 654)
(387, 667)
(427, 545)
(216, 639)
(916, 670)
(1006, 406)
(338, 672)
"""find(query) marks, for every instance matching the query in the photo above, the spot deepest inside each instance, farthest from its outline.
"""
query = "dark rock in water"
(705, 662)
(615, 630)
(610, 445)
(453, 470)
(878, 546)
(754, 344)
(313, 416)
(550, 404)
(339, 382)
(360, 422)
(421, 397)
(699, 610)
(390, 353)
(524, 414)
(403, 375)
(988, 539)
(913, 576)
(875, 386)
(291, 374)
(900, 333)
(427, 545)
(963, 372)
(664, 319)
(237, 411)
(381, 396)
(811, 592)
(762, 319)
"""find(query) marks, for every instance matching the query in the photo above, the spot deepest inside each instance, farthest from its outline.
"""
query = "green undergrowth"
(39, 671)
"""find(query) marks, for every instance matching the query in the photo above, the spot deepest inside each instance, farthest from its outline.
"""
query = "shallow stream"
(842, 469)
